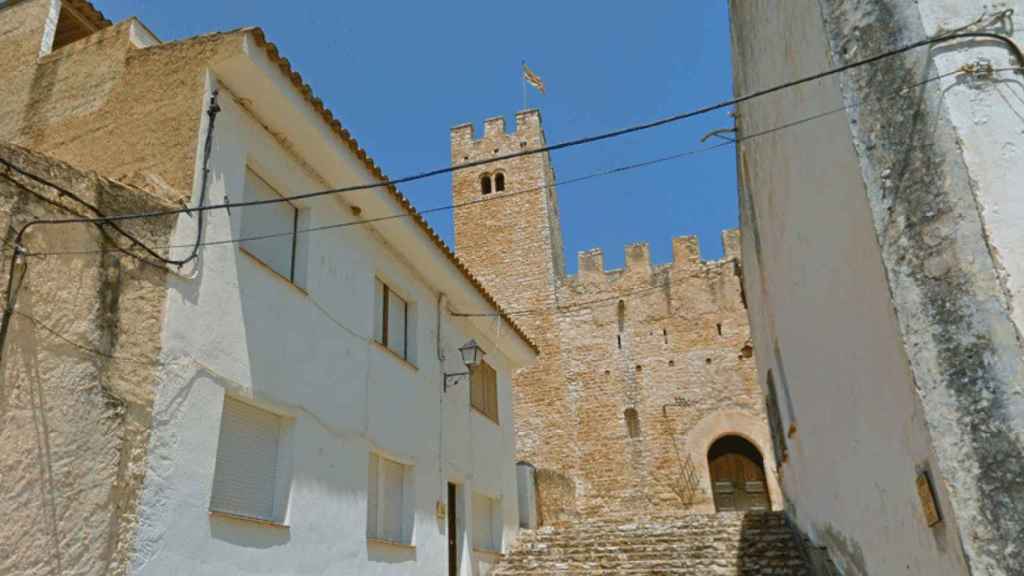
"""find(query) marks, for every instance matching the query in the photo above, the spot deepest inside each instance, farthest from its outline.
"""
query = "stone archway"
(697, 442)
(737, 475)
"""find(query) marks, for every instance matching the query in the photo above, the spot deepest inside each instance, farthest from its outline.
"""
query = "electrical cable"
(505, 196)
(1007, 41)
(18, 249)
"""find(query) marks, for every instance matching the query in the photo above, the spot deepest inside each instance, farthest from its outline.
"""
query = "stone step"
(731, 544)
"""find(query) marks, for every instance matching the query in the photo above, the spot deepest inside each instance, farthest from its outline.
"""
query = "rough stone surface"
(669, 341)
(79, 366)
(727, 544)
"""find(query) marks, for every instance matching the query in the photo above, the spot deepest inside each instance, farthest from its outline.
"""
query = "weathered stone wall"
(879, 256)
(129, 113)
(679, 354)
(78, 369)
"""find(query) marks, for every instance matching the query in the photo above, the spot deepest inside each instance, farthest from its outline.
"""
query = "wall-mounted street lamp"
(471, 354)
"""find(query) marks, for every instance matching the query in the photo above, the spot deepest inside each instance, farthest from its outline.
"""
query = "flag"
(532, 78)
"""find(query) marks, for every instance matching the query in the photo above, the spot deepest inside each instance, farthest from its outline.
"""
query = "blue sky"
(400, 74)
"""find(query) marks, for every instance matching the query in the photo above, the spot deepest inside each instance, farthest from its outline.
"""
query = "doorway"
(737, 475)
(453, 534)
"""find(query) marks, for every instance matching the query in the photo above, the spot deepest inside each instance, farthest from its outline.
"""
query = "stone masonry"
(727, 544)
(640, 368)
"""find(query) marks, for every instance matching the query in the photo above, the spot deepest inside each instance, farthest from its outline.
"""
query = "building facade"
(644, 399)
(881, 215)
(292, 399)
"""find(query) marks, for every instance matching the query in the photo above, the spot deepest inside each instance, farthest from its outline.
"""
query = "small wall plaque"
(926, 494)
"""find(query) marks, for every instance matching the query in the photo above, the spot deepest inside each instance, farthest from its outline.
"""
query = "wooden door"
(737, 475)
(453, 539)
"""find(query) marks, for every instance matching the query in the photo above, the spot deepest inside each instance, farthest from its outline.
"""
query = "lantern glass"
(471, 353)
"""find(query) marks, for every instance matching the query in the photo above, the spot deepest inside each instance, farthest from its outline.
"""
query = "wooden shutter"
(476, 388)
(491, 387)
(245, 478)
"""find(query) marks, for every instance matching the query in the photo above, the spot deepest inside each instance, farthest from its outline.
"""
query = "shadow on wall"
(556, 498)
(769, 545)
(678, 472)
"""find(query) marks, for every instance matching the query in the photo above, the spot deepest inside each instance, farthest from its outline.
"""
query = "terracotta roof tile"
(371, 165)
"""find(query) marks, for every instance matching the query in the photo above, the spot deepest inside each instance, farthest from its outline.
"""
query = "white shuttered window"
(389, 501)
(246, 477)
(486, 523)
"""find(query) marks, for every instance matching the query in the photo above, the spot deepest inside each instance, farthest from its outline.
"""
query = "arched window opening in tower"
(632, 422)
(622, 315)
(485, 184)
(499, 182)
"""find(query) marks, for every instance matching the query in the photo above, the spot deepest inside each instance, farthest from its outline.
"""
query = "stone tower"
(513, 245)
(512, 241)
(640, 370)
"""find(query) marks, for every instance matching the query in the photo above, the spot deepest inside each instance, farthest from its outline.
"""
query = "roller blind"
(386, 499)
(245, 478)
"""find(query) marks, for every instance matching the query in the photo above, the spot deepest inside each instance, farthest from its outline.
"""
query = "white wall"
(234, 327)
(988, 118)
(821, 316)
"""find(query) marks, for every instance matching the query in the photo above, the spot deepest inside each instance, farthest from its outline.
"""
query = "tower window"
(499, 182)
(632, 422)
(485, 184)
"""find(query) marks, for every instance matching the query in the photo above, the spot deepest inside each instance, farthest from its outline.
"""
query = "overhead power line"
(500, 197)
(1007, 41)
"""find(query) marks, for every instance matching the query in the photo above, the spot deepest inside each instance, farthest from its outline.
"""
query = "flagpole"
(522, 77)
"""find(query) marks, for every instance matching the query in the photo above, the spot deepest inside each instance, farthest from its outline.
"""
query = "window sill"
(395, 355)
(279, 276)
(485, 416)
(487, 552)
(244, 518)
(389, 543)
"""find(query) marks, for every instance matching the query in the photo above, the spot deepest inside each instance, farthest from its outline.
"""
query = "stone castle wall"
(640, 369)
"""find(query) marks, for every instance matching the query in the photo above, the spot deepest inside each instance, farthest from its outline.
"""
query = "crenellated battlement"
(466, 146)
(685, 256)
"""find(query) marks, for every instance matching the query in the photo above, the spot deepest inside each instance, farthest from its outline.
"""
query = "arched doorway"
(737, 475)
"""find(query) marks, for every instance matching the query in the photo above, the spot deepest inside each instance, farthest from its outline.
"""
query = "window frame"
(298, 213)
(495, 523)
(382, 320)
(282, 467)
(406, 527)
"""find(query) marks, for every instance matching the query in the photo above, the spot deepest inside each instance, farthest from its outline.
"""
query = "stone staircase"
(727, 544)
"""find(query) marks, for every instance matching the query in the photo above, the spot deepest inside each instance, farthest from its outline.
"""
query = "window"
(483, 390)
(394, 322)
(389, 502)
(775, 422)
(486, 523)
(632, 422)
(248, 473)
(485, 184)
(271, 230)
(499, 182)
